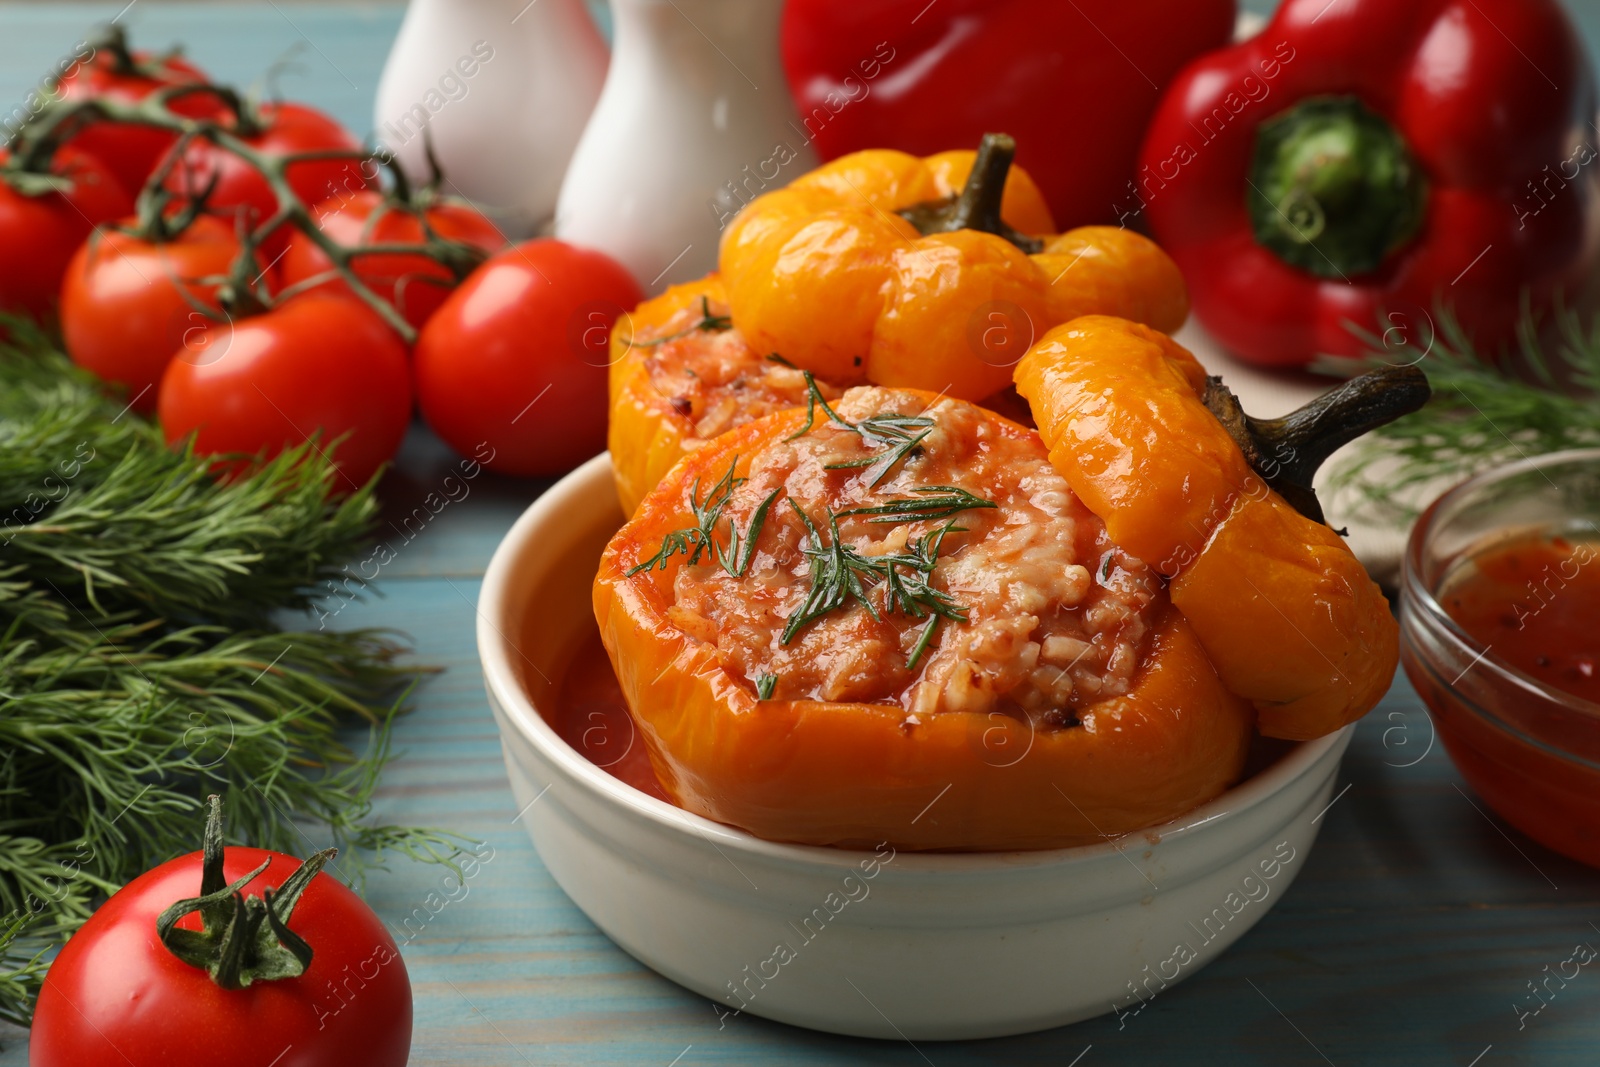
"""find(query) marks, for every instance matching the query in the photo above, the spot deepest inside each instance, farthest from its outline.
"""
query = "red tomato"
(129, 150)
(319, 362)
(117, 996)
(39, 234)
(414, 284)
(517, 356)
(285, 129)
(127, 304)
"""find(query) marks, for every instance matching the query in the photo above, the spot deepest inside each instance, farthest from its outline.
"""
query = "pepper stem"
(1334, 188)
(977, 206)
(1286, 452)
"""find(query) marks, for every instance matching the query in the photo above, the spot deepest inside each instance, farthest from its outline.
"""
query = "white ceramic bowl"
(914, 945)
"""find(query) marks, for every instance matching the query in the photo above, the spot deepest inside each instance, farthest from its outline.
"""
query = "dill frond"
(144, 663)
(1483, 412)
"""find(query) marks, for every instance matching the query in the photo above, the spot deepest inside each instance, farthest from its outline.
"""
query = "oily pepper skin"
(1075, 83)
(1284, 610)
(852, 775)
(1369, 162)
(831, 273)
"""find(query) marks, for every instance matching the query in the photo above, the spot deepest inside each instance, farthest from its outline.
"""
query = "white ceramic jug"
(695, 120)
(504, 88)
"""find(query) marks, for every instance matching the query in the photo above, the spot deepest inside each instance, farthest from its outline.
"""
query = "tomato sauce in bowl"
(1500, 635)
(1535, 603)
(591, 715)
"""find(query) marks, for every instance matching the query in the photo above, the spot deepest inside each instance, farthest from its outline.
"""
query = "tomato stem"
(245, 292)
(241, 939)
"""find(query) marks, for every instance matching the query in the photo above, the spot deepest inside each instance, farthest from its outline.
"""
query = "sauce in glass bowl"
(1500, 635)
(1535, 603)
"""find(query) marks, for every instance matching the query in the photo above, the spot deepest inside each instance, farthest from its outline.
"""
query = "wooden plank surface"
(1415, 927)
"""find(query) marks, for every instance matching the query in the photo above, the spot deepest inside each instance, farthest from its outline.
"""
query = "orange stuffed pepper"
(891, 619)
(1285, 611)
(902, 617)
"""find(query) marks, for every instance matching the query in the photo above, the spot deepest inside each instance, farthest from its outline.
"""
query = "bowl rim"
(1416, 594)
(496, 652)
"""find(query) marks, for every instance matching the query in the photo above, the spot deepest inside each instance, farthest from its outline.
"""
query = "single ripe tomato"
(319, 363)
(117, 995)
(40, 230)
(128, 303)
(129, 150)
(415, 284)
(517, 356)
(280, 129)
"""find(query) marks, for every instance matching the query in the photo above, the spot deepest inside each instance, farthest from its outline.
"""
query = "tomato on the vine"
(128, 302)
(318, 984)
(320, 363)
(43, 220)
(128, 150)
(279, 129)
(517, 357)
(415, 284)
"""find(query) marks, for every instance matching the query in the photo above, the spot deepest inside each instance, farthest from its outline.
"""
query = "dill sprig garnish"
(1482, 413)
(708, 323)
(736, 559)
(814, 399)
(765, 685)
(894, 435)
(936, 502)
(701, 538)
(897, 436)
(145, 660)
(839, 573)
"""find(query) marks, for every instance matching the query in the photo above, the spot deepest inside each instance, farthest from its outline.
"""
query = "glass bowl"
(1530, 750)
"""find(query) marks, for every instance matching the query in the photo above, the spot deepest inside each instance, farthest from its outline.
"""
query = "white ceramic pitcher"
(695, 120)
(504, 88)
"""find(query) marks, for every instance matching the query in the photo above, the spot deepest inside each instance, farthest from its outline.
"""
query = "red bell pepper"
(1371, 163)
(1074, 83)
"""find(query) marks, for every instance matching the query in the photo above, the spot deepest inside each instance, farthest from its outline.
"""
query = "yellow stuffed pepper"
(880, 267)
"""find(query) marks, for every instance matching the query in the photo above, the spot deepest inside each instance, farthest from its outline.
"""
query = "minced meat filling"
(1033, 611)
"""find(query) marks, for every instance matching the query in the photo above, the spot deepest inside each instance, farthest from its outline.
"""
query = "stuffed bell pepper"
(900, 616)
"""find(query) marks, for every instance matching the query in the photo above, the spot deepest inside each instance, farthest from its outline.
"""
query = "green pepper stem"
(1334, 188)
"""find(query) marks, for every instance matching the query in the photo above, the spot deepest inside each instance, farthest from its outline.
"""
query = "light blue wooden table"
(1413, 930)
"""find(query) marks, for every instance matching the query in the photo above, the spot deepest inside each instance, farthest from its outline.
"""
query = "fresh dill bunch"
(1483, 412)
(103, 515)
(143, 664)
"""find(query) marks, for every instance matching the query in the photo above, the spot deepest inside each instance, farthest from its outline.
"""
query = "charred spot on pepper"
(977, 206)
